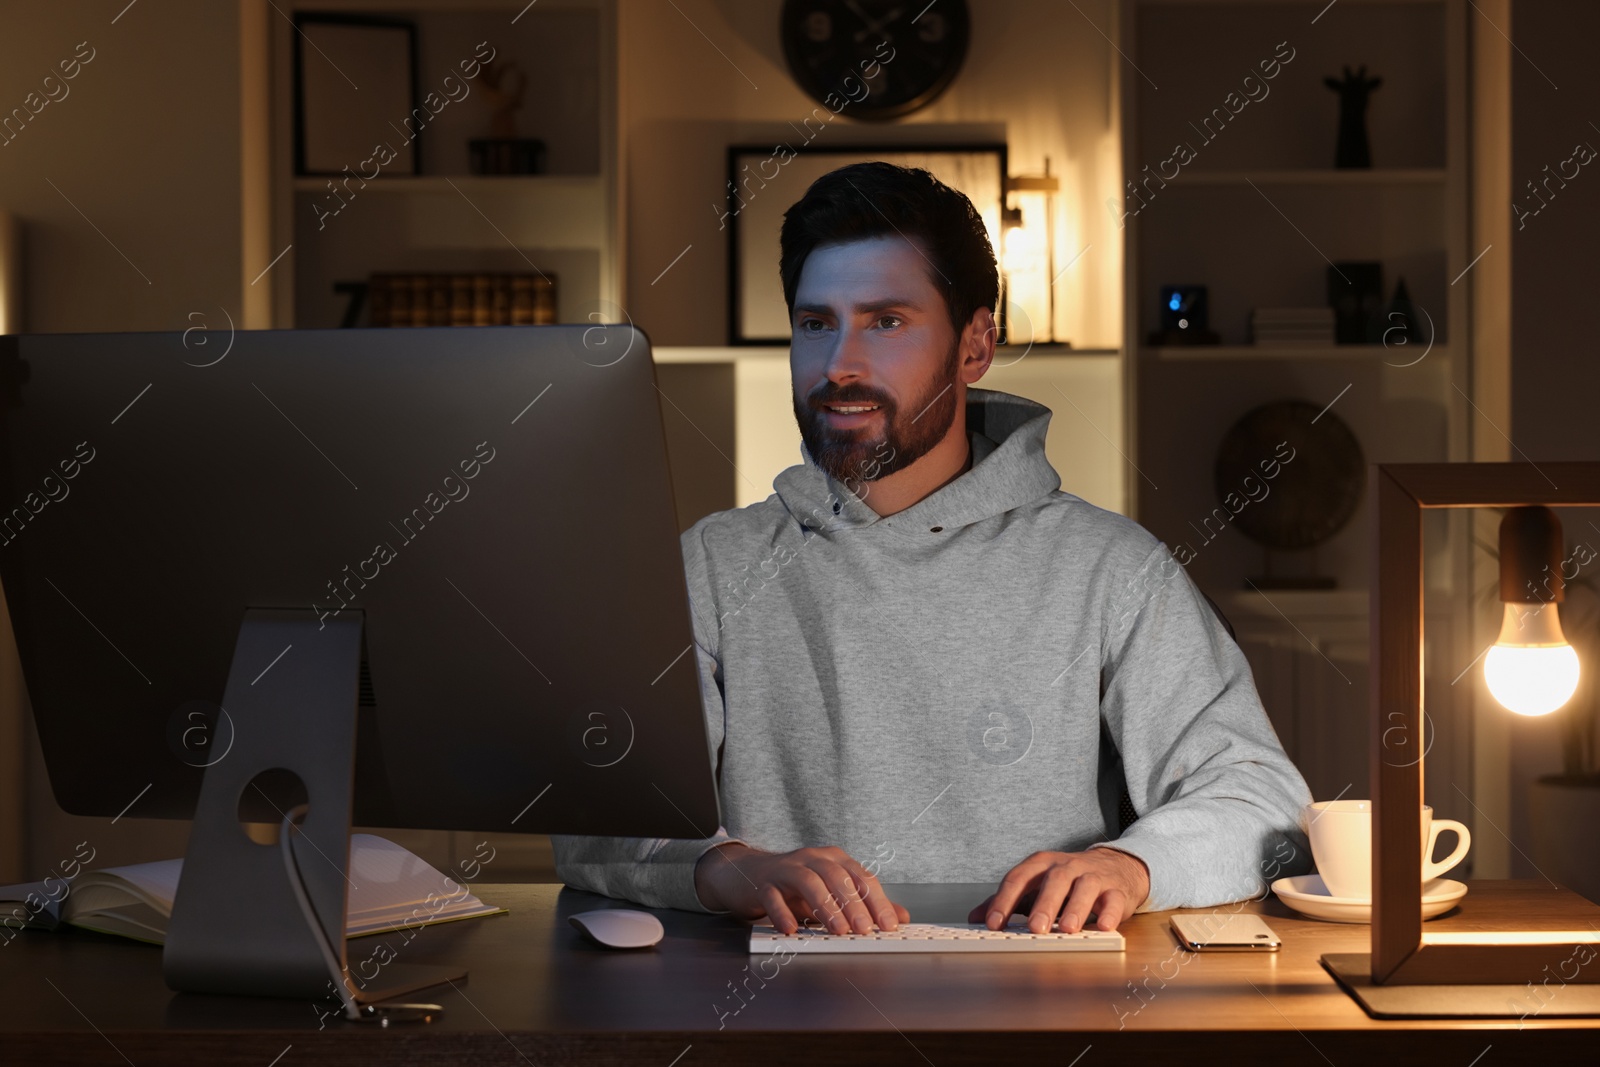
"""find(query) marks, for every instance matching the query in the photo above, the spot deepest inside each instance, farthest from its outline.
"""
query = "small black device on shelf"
(1183, 317)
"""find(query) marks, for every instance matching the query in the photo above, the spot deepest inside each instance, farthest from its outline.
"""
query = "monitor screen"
(493, 501)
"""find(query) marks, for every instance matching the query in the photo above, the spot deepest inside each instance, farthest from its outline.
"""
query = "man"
(920, 656)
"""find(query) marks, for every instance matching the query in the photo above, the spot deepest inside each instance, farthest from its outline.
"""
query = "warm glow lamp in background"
(1027, 254)
(1531, 669)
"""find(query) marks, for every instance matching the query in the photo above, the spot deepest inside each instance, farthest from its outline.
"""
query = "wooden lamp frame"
(1401, 953)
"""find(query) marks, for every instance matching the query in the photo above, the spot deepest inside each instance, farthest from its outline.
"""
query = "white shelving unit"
(566, 223)
(1257, 215)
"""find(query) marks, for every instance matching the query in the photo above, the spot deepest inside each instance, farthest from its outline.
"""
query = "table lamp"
(1027, 252)
(1531, 670)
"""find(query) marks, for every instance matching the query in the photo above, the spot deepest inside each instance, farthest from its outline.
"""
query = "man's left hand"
(1110, 883)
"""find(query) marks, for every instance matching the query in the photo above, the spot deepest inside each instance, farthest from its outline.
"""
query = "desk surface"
(539, 993)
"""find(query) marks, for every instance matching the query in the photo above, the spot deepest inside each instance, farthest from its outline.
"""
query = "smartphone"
(1211, 932)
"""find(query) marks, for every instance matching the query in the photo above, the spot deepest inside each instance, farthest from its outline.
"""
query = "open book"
(393, 889)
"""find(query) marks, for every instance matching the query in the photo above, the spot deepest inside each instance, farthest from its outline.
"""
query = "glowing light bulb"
(1531, 669)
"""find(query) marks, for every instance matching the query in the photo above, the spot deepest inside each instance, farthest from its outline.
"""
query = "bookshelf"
(564, 222)
(1257, 215)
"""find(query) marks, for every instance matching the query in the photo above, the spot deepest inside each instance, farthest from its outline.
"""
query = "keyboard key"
(935, 937)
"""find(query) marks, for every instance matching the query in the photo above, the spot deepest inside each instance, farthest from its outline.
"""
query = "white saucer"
(1306, 894)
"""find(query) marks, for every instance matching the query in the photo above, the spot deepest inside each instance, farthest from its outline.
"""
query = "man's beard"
(858, 456)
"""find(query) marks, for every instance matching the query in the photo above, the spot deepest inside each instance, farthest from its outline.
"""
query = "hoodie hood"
(1009, 470)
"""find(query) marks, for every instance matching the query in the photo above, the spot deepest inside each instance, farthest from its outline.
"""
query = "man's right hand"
(821, 883)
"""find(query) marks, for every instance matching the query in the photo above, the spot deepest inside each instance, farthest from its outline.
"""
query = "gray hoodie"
(944, 691)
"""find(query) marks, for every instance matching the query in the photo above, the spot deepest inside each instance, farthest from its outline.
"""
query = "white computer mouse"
(619, 927)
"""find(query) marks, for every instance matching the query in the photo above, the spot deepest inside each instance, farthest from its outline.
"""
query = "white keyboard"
(935, 937)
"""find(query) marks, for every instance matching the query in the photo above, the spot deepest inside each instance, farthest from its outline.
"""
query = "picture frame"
(355, 85)
(765, 180)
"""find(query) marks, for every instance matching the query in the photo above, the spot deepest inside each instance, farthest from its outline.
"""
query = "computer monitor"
(434, 574)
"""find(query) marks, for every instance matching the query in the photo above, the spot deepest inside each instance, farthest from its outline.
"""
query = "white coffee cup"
(1341, 843)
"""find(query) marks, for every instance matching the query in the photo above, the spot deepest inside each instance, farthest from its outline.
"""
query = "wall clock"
(874, 59)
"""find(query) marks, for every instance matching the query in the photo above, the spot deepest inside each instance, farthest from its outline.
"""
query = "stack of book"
(1292, 326)
(462, 299)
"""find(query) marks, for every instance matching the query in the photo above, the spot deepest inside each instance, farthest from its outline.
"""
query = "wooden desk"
(539, 994)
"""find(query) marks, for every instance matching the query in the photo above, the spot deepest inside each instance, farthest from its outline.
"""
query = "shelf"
(1277, 3)
(452, 7)
(1393, 355)
(731, 354)
(735, 353)
(1053, 350)
(442, 183)
(1352, 603)
(535, 211)
(564, 222)
(1311, 176)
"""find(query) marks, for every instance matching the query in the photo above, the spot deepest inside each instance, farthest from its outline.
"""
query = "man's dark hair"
(866, 200)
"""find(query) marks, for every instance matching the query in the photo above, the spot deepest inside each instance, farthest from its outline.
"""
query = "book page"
(155, 884)
(391, 880)
(30, 904)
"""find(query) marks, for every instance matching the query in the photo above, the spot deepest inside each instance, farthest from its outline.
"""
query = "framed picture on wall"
(764, 181)
(355, 87)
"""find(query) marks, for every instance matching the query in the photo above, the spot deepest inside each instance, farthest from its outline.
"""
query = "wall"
(1555, 372)
(144, 145)
(126, 187)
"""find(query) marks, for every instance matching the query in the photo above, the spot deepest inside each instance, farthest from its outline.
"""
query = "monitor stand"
(237, 926)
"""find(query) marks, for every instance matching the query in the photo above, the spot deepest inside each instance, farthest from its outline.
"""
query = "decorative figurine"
(503, 86)
(503, 152)
(1353, 91)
